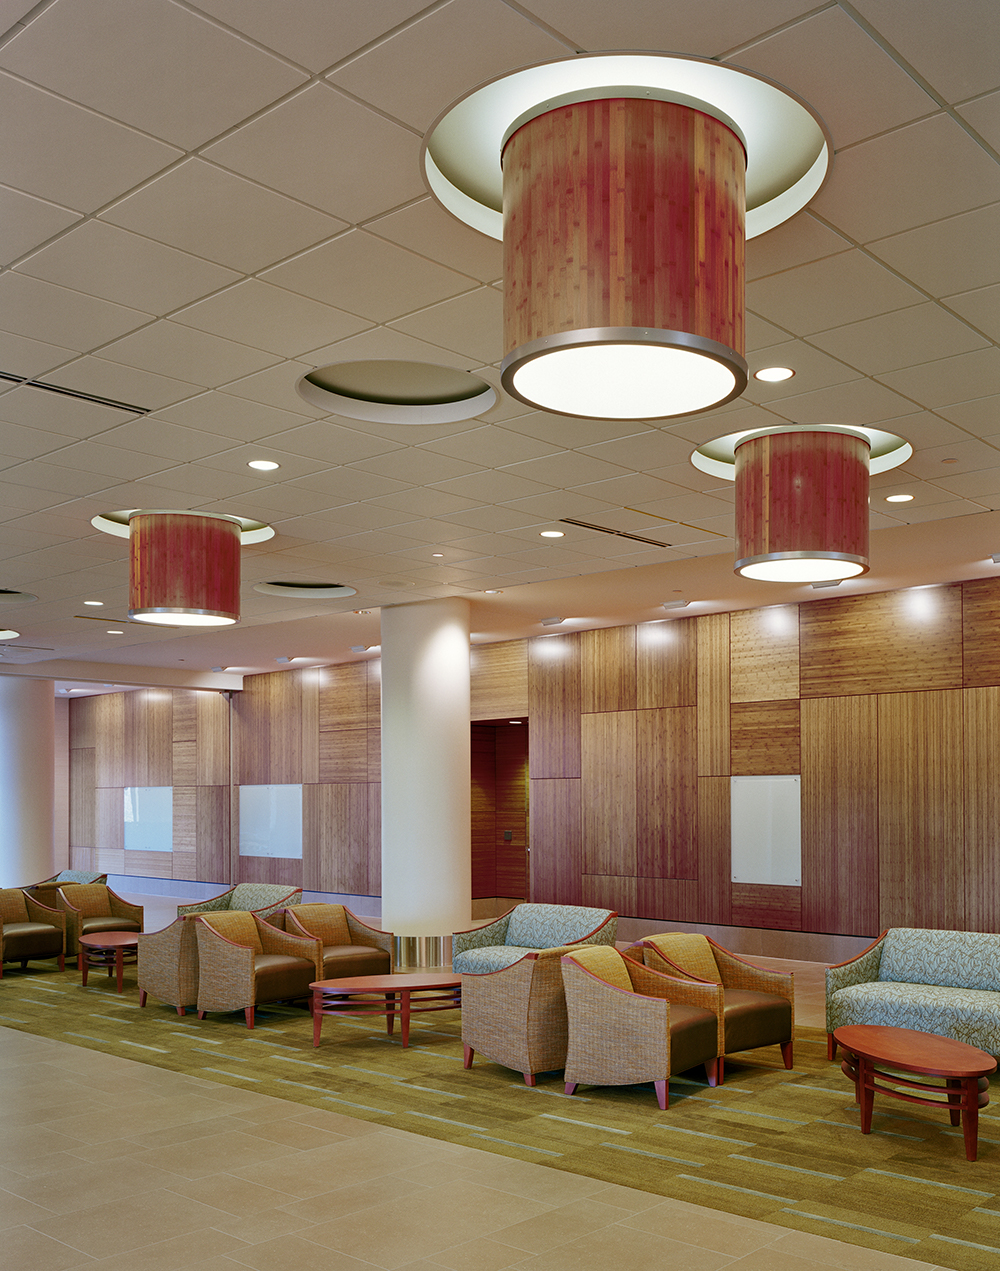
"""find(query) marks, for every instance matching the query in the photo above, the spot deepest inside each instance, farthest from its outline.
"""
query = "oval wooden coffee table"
(111, 949)
(388, 995)
(964, 1068)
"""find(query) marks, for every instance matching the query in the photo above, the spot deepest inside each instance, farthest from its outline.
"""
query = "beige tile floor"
(114, 1165)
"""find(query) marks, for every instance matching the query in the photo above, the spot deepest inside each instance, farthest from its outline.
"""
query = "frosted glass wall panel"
(766, 830)
(149, 818)
(271, 821)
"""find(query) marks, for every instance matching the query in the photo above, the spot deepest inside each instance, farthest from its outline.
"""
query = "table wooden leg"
(84, 967)
(866, 1092)
(955, 1099)
(970, 1117)
(317, 1013)
(119, 966)
(405, 1016)
(390, 1014)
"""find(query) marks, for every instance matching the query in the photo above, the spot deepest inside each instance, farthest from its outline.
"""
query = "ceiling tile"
(29, 358)
(925, 429)
(951, 379)
(43, 475)
(152, 436)
(980, 416)
(304, 32)
(761, 334)
(383, 342)
(984, 116)
(62, 152)
(916, 515)
(332, 443)
(494, 520)
(812, 368)
(375, 515)
(229, 416)
(490, 447)
(269, 318)
(34, 408)
(471, 324)
(426, 503)
(348, 485)
(796, 242)
(194, 480)
(427, 229)
(832, 63)
(121, 383)
(368, 276)
(971, 485)
(567, 431)
(336, 169)
(418, 467)
(57, 315)
(102, 260)
(953, 46)
(493, 487)
(951, 255)
(568, 468)
(456, 46)
(204, 210)
(276, 387)
(637, 488)
(205, 359)
(131, 70)
(860, 401)
(551, 505)
(25, 222)
(107, 461)
(981, 308)
(907, 337)
(18, 442)
(828, 293)
(646, 450)
(907, 178)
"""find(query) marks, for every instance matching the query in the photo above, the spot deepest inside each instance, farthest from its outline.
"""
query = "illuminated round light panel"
(395, 392)
(305, 590)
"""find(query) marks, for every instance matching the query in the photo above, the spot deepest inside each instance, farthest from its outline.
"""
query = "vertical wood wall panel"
(764, 739)
(343, 696)
(609, 808)
(212, 738)
(554, 694)
(82, 797)
(713, 695)
(212, 834)
(980, 624)
(109, 739)
(607, 669)
(757, 905)
(556, 858)
(512, 811)
(765, 653)
(982, 809)
(667, 793)
(499, 679)
(666, 661)
(335, 823)
(840, 867)
(714, 851)
(484, 811)
(921, 815)
(82, 723)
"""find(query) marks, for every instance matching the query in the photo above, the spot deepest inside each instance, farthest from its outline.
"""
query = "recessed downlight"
(96, 603)
(116, 632)
(395, 392)
(899, 498)
(551, 534)
(263, 465)
(9, 635)
(774, 374)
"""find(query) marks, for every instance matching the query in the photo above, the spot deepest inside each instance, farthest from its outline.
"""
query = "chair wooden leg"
(468, 1053)
(62, 962)
(571, 1087)
(201, 1014)
(530, 1079)
(24, 964)
(248, 1012)
(786, 1053)
(831, 1047)
(662, 1094)
(142, 997)
(180, 1010)
(712, 1071)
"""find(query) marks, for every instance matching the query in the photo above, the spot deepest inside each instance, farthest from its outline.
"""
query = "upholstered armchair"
(243, 962)
(759, 1005)
(91, 908)
(258, 898)
(629, 1024)
(45, 891)
(29, 930)
(168, 965)
(350, 946)
(529, 927)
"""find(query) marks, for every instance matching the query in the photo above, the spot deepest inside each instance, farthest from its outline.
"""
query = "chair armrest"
(206, 906)
(361, 933)
(225, 971)
(310, 948)
(738, 973)
(860, 970)
(72, 922)
(123, 909)
(482, 937)
(38, 912)
(686, 992)
(616, 1036)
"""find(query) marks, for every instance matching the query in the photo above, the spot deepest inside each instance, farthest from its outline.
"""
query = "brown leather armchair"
(243, 962)
(759, 1005)
(29, 930)
(350, 947)
(91, 908)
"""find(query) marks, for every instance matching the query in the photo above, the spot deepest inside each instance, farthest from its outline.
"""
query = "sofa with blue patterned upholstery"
(513, 1001)
(944, 982)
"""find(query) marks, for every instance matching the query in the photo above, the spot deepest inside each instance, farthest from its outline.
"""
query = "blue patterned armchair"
(944, 982)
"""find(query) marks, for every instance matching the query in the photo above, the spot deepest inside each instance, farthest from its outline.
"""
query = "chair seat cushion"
(280, 976)
(693, 1035)
(341, 960)
(756, 1019)
(968, 1015)
(494, 957)
(30, 940)
(107, 922)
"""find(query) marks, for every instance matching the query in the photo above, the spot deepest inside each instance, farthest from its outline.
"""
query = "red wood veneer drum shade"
(624, 224)
(184, 569)
(802, 506)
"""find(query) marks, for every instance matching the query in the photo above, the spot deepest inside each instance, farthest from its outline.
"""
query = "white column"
(426, 769)
(27, 780)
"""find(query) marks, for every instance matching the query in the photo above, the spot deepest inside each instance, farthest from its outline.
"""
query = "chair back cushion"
(237, 926)
(329, 922)
(78, 876)
(91, 899)
(689, 951)
(954, 959)
(12, 906)
(546, 926)
(247, 896)
(604, 962)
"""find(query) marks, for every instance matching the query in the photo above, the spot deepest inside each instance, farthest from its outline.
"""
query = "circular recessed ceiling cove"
(788, 150)
(394, 392)
(116, 523)
(9, 597)
(312, 591)
(718, 457)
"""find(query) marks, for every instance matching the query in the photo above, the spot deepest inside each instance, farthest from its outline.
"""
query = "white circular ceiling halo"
(116, 523)
(390, 391)
(305, 590)
(788, 147)
(718, 457)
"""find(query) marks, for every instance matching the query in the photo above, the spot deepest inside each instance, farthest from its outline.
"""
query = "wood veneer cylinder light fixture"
(624, 258)
(802, 506)
(184, 568)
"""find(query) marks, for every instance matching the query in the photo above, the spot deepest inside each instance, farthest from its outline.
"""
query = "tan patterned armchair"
(243, 962)
(629, 1024)
(45, 891)
(759, 1005)
(168, 965)
(29, 930)
(91, 908)
(258, 898)
(350, 947)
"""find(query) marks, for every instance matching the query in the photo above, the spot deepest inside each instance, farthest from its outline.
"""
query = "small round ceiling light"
(774, 374)
(9, 635)
(551, 534)
(395, 392)
(536, 158)
(116, 633)
(95, 603)
(899, 498)
(305, 590)
(263, 465)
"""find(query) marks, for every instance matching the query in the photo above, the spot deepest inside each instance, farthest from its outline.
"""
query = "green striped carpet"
(779, 1146)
